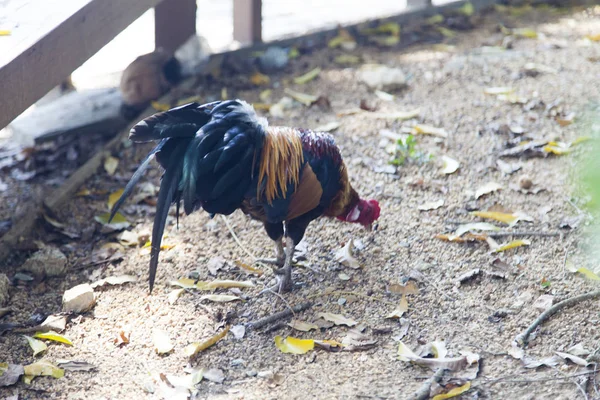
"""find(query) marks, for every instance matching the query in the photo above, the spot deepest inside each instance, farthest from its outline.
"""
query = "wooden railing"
(54, 37)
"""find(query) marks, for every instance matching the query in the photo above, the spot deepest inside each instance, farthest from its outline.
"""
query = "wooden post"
(174, 23)
(247, 21)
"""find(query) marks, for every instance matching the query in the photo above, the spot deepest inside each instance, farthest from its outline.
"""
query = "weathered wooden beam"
(174, 23)
(42, 50)
(247, 21)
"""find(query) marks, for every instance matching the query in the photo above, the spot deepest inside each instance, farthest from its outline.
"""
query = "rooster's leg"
(279, 259)
(285, 282)
(284, 274)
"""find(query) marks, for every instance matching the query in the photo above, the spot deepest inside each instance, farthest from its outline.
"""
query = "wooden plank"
(174, 23)
(247, 21)
(78, 113)
(417, 4)
(34, 65)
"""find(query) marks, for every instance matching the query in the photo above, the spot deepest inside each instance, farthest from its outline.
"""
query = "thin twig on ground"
(524, 336)
(280, 315)
(423, 391)
(236, 238)
(571, 379)
(554, 378)
(347, 293)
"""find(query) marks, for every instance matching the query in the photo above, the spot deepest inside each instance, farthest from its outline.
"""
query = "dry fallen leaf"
(307, 77)
(110, 165)
(385, 96)
(69, 365)
(303, 98)
(10, 374)
(259, 79)
(36, 345)
(226, 284)
(508, 218)
(42, 368)
(453, 392)
(302, 326)
(475, 226)
(574, 359)
(401, 309)
(400, 115)
(238, 331)
(432, 205)
(429, 130)
(122, 338)
(219, 298)
(53, 336)
(113, 197)
(337, 319)
(249, 269)
(119, 222)
(487, 189)
(498, 90)
(114, 280)
(453, 364)
(174, 295)
(344, 256)
(161, 341)
(331, 126)
(293, 345)
(194, 348)
(449, 165)
(511, 245)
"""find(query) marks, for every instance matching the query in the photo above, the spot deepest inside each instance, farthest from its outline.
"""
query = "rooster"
(221, 157)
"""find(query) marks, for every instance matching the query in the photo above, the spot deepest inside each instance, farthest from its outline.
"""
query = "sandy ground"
(483, 315)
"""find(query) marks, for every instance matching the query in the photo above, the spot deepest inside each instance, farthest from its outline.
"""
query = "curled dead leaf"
(293, 345)
(337, 319)
(344, 256)
(194, 348)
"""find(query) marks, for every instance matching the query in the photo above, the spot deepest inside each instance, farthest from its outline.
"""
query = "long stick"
(423, 392)
(524, 336)
(277, 316)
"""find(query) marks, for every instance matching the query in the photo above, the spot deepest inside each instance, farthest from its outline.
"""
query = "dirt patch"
(447, 85)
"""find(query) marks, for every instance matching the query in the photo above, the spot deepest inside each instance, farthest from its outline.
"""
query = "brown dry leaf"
(453, 364)
(468, 237)
(401, 309)
(429, 130)
(122, 338)
(55, 323)
(457, 391)
(259, 79)
(329, 127)
(508, 218)
(249, 269)
(110, 165)
(128, 238)
(306, 99)
(118, 223)
(432, 205)
(220, 298)
(302, 326)
(194, 348)
(574, 359)
(400, 115)
(161, 341)
(475, 226)
(293, 345)
(225, 284)
(114, 280)
(344, 256)
(337, 319)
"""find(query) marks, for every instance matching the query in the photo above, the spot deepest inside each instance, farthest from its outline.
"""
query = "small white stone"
(79, 299)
